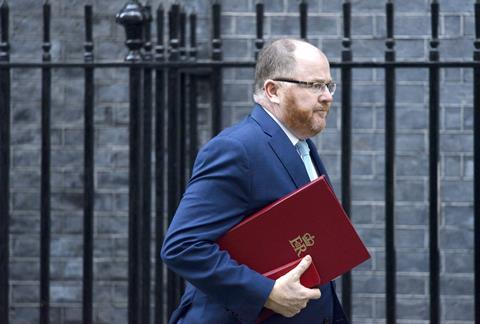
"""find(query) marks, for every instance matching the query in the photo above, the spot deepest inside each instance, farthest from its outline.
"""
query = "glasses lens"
(324, 87)
(331, 87)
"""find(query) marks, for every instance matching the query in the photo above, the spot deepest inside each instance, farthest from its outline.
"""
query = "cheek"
(296, 111)
(302, 103)
(306, 102)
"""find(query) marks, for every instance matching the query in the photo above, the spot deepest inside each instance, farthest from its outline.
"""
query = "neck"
(268, 105)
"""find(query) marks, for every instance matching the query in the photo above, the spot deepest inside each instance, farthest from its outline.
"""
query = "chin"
(313, 132)
(318, 128)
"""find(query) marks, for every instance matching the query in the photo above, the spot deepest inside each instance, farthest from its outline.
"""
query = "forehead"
(311, 64)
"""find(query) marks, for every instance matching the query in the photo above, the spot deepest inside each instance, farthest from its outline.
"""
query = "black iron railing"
(390, 262)
(4, 164)
(434, 179)
(173, 80)
(346, 78)
(89, 178)
(45, 188)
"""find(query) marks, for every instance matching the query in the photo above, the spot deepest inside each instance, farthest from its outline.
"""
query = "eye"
(318, 85)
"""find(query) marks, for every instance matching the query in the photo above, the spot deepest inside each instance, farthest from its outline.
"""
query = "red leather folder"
(310, 221)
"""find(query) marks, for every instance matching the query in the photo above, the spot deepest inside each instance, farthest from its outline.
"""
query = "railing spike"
(193, 35)
(303, 9)
(4, 4)
(477, 24)
(434, 24)
(346, 9)
(259, 42)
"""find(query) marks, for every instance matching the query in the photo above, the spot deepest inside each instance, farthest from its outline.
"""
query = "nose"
(325, 96)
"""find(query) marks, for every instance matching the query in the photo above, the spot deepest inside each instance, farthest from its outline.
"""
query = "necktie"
(304, 151)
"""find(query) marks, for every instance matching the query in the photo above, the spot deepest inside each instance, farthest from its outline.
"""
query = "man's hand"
(288, 297)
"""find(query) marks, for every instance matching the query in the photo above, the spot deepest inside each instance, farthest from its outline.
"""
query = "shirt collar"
(291, 137)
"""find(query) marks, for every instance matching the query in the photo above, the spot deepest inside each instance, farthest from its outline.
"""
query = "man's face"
(304, 110)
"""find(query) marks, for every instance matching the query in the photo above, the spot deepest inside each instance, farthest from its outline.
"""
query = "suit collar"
(282, 146)
(290, 135)
(268, 125)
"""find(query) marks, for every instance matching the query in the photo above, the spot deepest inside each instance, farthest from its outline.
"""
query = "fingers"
(291, 313)
(288, 296)
(301, 267)
(297, 273)
(314, 293)
(297, 309)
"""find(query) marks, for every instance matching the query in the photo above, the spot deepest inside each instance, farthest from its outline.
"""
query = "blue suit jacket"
(241, 170)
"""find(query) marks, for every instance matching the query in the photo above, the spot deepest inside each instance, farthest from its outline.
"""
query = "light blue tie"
(304, 151)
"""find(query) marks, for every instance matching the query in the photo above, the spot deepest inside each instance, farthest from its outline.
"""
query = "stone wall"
(412, 30)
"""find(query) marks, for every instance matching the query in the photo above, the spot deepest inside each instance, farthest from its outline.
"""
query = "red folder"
(309, 220)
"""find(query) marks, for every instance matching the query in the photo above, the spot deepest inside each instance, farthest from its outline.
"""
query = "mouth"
(322, 112)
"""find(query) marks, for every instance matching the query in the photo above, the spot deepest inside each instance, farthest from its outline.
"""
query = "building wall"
(412, 30)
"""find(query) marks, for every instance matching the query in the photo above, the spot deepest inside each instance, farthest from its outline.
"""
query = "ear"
(271, 90)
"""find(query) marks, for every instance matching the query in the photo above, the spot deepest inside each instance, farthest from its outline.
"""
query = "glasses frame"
(330, 86)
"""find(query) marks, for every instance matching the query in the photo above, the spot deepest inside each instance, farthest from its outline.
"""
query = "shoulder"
(242, 136)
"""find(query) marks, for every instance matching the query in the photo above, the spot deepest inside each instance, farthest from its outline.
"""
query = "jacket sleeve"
(215, 200)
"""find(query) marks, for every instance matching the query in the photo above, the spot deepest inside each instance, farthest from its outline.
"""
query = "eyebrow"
(322, 80)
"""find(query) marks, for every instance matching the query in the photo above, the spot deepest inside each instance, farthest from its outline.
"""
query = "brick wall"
(412, 29)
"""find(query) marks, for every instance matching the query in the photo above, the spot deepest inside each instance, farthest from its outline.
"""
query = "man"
(238, 172)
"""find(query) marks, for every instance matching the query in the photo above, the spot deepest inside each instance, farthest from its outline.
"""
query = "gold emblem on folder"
(300, 243)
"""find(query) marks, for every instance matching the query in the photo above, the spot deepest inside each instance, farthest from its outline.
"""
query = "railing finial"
(193, 36)
(390, 42)
(434, 24)
(147, 11)
(160, 48)
(347, 18)
(183, 33)
(88, 45)
(46, 46)
(303, 9)
(173, 30)
(477, 25)
(216, 37)
(4, 21)
(259, 42)
(132, 17)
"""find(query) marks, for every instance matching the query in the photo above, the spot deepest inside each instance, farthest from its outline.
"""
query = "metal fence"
(163, 88)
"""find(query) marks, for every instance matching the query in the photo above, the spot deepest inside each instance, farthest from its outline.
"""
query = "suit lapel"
(290, 159)
(316, 159)
(282, 147)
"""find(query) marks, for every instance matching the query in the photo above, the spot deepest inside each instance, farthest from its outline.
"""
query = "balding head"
(279, 58)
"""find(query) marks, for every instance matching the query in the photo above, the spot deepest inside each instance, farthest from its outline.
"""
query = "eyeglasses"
(318, 87)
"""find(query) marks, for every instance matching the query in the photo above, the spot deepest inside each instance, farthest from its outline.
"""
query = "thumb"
(301, 267)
